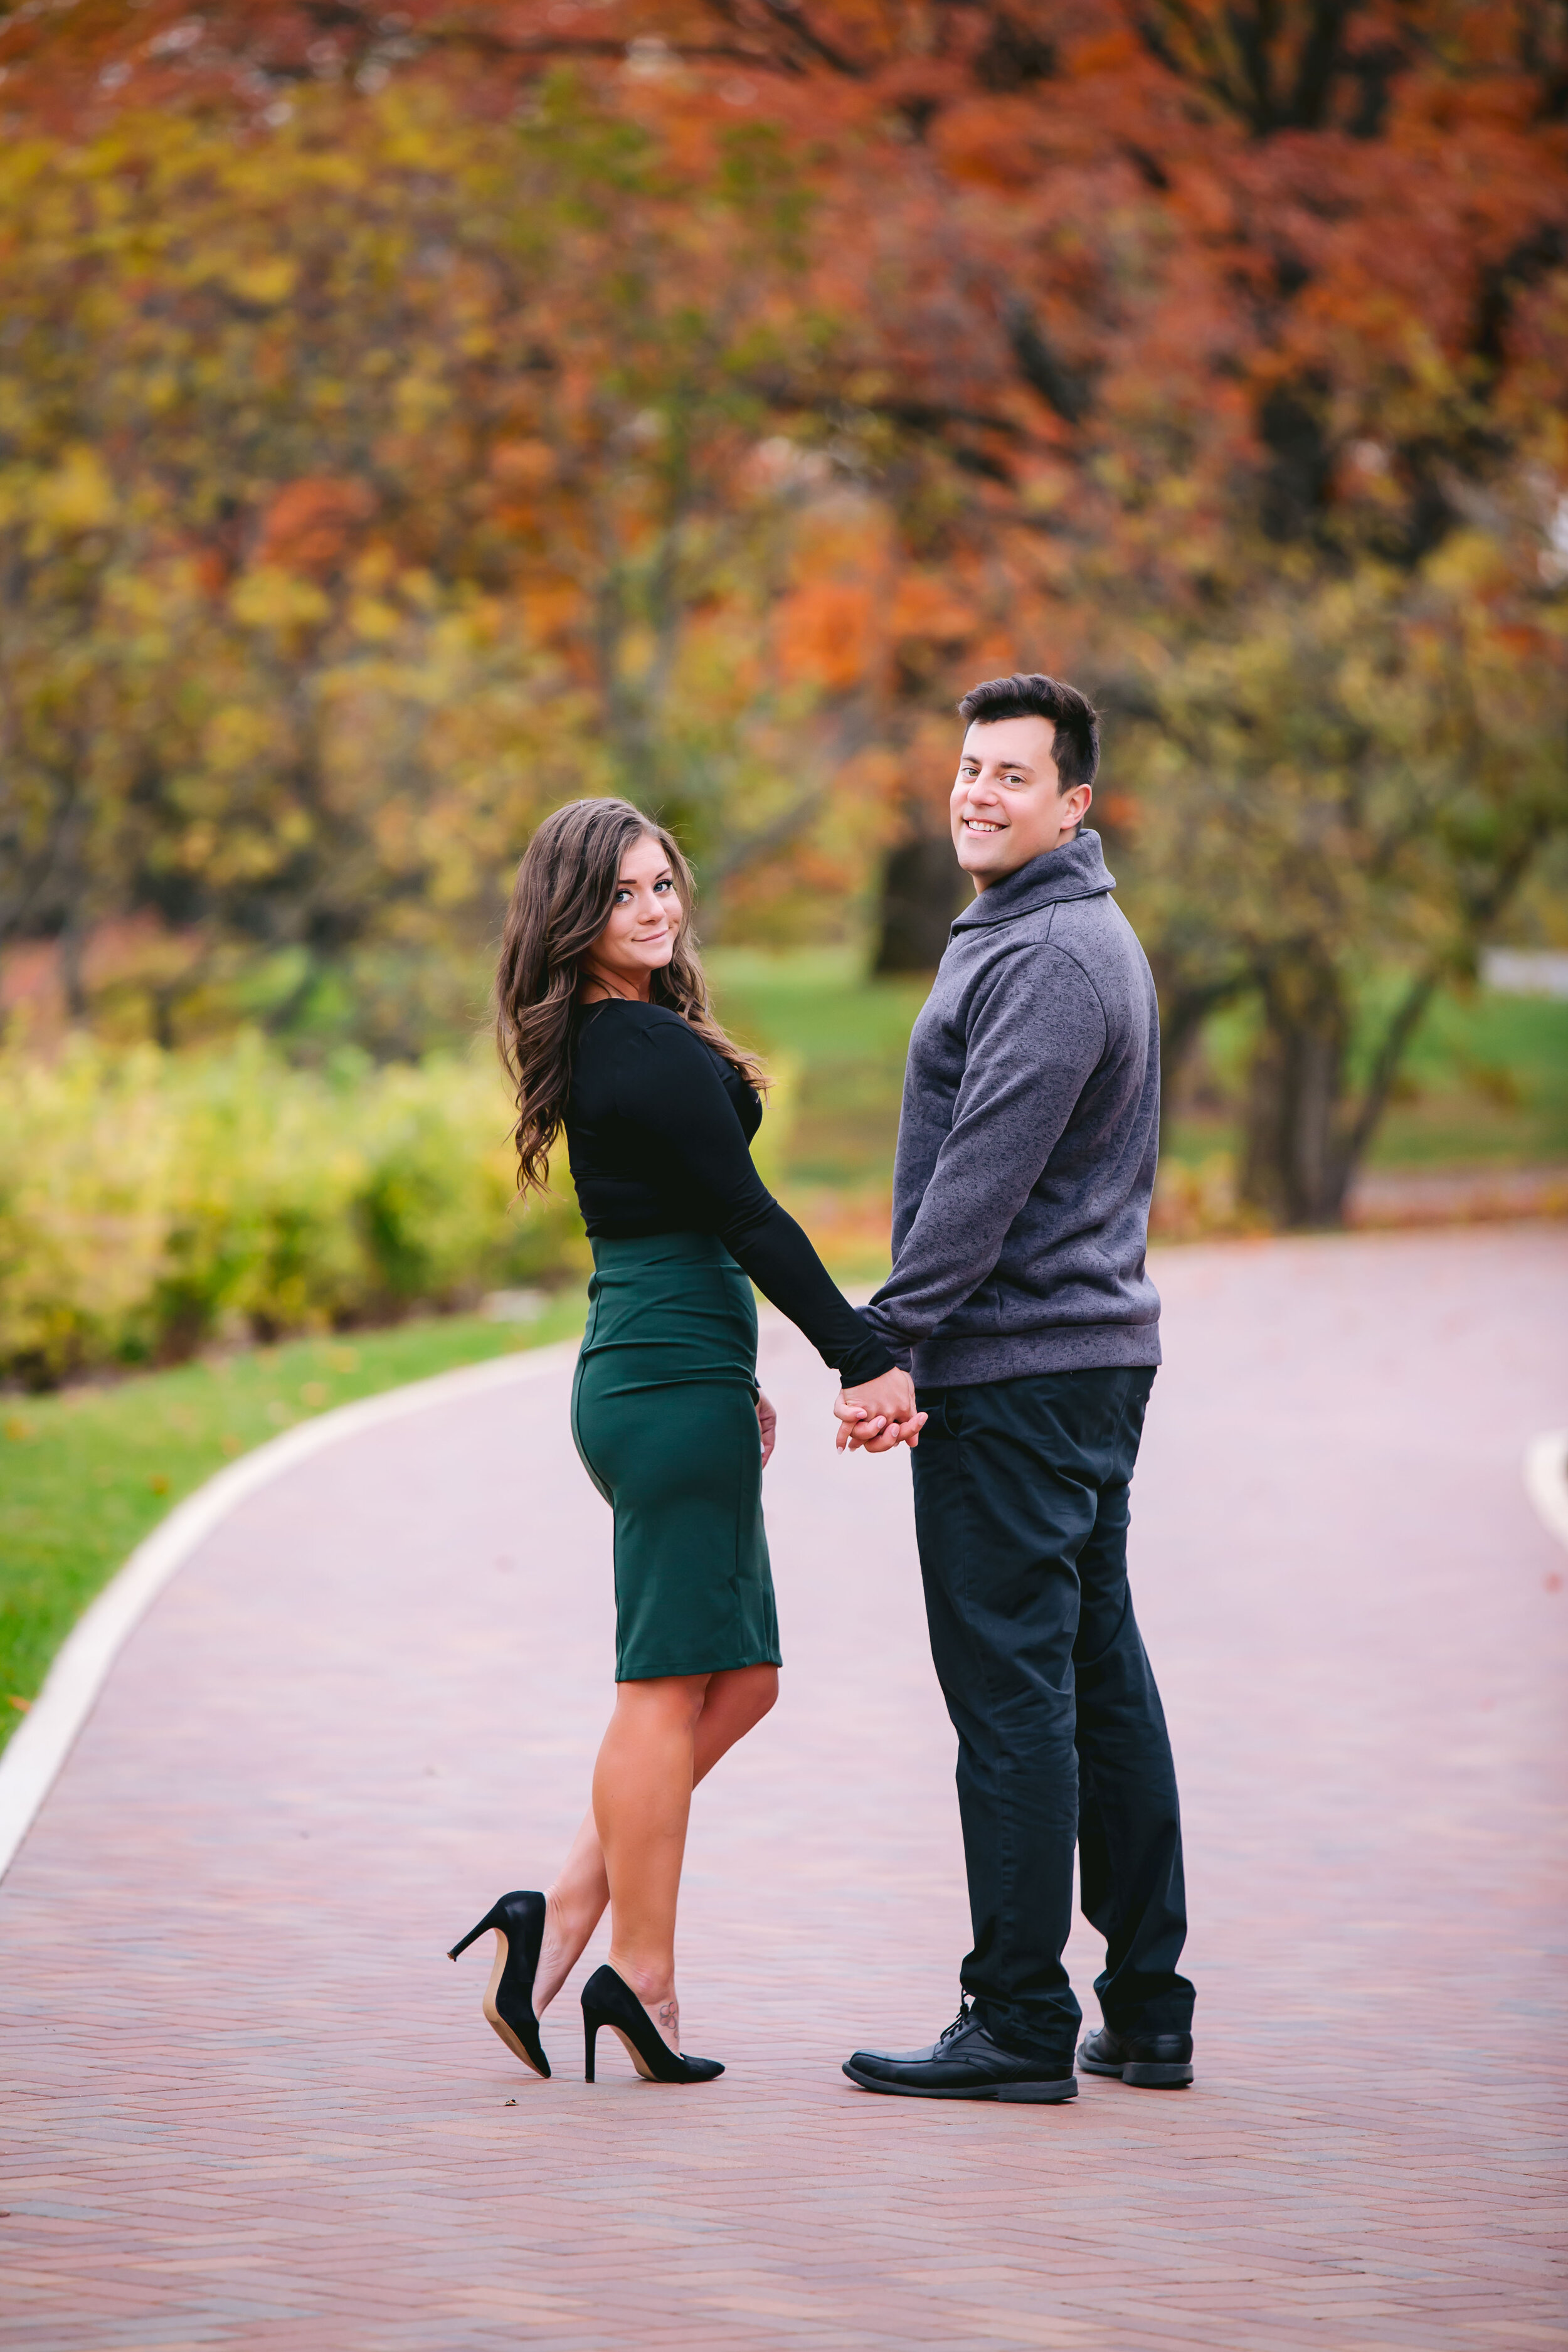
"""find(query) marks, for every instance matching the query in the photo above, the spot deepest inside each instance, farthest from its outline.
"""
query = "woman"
(603, 1021)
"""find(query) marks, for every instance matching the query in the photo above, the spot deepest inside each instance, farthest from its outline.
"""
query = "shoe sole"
(494, 2017)
(1016, 2095)
(1171, 2076)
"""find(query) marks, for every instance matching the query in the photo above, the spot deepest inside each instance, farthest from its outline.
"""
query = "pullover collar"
(1075, 870)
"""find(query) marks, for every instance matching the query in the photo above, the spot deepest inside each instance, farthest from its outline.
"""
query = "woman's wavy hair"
(560, 901)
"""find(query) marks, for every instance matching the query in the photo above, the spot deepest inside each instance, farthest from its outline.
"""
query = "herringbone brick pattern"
(248, 2102)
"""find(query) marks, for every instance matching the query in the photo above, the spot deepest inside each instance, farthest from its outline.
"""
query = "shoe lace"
(965, 2014)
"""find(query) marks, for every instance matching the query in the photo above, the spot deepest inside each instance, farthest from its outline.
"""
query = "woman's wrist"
(867, 1361)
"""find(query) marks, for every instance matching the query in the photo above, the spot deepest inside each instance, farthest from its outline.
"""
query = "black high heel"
(608, 2000)
(519, 1922)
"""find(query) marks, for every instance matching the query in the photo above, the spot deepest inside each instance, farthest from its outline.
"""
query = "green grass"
(85, 1473)
(1484, 1084)
(840, 1041)
(1485, 1080)
(849, 1037)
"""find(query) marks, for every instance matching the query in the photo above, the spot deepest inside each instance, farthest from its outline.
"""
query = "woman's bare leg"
(733, 1703)
(642, 1801)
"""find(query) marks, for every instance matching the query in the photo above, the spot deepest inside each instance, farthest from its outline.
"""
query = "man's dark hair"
(1076, 748)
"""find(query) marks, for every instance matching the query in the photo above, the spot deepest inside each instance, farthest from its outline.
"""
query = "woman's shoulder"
(660, 1024)
(622, 1016)
(625, 1023)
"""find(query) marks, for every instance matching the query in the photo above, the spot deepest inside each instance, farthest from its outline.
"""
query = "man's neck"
(989, 881)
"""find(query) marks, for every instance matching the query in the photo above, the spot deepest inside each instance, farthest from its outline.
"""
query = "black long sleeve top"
(659, 1129)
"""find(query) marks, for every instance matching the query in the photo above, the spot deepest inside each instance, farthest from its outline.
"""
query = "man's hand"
(767, 1423)
(879, 1414)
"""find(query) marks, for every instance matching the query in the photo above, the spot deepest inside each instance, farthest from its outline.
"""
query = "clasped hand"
(879, 1414)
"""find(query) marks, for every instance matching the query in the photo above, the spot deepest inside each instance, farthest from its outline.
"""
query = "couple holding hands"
(1012, 1348)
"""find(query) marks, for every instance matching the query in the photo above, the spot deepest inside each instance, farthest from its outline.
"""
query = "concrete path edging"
(38, 1748)
(1546, 1479)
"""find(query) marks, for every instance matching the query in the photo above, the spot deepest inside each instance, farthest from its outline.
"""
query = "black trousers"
(1021, 1509)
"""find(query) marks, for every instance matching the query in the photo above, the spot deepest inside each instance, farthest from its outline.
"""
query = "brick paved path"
(248, 2102)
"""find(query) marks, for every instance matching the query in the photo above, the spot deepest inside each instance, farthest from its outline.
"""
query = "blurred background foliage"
(151, 1201)
(412, 419)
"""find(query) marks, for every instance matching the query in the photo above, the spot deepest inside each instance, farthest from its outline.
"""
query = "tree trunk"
(1182, 1012)
(922, 889)
(73, 983)
(1296, 1164)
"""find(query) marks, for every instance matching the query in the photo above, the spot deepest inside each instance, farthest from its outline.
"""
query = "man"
(1026, 1161)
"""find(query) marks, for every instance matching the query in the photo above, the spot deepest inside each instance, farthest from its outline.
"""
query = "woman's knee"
(747, 1692)
(671, 1702)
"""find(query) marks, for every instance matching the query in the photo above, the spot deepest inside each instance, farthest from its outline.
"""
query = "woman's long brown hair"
(560, 901)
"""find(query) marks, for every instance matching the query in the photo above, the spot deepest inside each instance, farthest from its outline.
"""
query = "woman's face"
(639, 937)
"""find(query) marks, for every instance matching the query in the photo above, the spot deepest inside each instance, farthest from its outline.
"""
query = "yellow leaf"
(268, 282)
(78, 495)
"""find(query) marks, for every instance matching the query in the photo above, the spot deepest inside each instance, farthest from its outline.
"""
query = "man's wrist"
(898, 1350)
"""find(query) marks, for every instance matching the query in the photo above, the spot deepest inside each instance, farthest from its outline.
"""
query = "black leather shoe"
(963, 2064)
(1150, 2061)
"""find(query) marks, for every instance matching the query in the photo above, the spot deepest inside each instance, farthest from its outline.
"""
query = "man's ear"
(1075, 804)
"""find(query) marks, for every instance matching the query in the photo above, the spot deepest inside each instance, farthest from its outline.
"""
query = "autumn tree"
(1217, 352)
(1209, 350)
(372, 481)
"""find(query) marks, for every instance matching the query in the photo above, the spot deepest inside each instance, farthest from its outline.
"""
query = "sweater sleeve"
(1034, 1040)
(669, 1086)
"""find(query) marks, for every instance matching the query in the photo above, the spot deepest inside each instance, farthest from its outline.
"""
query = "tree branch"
(790, 19)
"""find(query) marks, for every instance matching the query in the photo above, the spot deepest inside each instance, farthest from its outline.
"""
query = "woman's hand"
(767, 1423)
(879, 1414)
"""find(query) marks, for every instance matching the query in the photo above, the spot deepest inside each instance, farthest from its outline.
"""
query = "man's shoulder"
(1095, 933)
(1035, 942)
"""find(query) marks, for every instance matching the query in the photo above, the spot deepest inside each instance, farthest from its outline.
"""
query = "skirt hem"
(726, 1666)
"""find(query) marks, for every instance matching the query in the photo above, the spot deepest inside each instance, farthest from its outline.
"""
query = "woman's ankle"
(567, 1919)
(565, 1939)
(653, 1981)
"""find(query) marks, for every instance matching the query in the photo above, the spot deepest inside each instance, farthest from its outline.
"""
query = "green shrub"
(150, 1201)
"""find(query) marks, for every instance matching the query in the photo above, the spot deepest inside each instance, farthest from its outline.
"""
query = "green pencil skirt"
(664, 1419)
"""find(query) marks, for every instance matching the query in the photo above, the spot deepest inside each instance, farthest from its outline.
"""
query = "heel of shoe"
(590, 2044)
(608, 2000)
(1157, 2074)
(490, 1920)
(1039, 2095)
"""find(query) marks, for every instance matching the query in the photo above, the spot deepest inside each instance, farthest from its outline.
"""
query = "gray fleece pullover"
(1027, 1138)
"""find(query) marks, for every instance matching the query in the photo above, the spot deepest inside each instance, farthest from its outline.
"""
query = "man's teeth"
(978, 825)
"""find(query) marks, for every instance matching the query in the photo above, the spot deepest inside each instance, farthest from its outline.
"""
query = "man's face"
(1006, 804)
